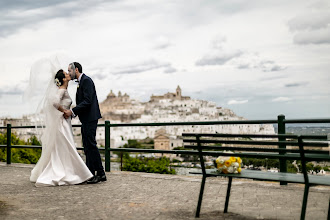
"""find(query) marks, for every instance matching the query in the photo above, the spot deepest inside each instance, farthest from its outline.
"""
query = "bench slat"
(268, 176)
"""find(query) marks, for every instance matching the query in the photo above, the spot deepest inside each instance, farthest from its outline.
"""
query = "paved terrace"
(128, 195)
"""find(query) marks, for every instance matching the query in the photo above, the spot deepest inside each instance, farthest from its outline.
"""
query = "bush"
(149, 165)
(136, 144)
(261, 162)
(20, 155)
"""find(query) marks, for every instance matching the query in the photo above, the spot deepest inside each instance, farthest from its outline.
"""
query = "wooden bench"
(283, 147)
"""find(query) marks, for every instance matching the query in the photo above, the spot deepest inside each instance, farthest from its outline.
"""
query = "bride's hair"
(59, 77)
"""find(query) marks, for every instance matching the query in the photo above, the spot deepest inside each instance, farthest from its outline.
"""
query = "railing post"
(281, 130)
(107, 146)
(8, 143)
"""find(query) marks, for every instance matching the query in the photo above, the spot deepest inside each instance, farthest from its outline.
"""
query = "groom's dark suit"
(89, 112)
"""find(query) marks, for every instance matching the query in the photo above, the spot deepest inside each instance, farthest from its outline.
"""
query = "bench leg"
(228, 194)
(200, 197)
(304, 204)
(329, 210)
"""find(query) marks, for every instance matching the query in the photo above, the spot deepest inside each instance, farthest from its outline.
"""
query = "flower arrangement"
(228, 164)
(57, 82)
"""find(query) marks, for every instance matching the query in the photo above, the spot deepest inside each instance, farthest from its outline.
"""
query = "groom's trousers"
(93, 158)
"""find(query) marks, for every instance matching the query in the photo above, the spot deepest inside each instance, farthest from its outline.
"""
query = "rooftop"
(128, 195)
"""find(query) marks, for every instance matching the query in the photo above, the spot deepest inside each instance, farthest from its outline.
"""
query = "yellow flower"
(239, 160)
(232, 159)
(239, 170)
(219, 165)
(227, 163)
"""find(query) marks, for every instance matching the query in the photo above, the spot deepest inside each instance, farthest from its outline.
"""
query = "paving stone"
(128, 195)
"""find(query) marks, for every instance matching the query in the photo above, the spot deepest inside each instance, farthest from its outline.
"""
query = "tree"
(20, 155)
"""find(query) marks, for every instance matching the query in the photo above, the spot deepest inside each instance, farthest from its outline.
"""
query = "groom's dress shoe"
(103, 178)
(94, 179)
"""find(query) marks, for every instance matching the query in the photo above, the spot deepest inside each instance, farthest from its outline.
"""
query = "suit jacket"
(86, 99)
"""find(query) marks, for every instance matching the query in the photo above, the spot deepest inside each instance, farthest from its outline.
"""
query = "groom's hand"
(67, 114)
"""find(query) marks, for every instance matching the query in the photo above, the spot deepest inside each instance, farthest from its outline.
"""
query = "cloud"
(143, 67)
(253, 61)
(276, 77)
(295, 84)
(170, 69)
(221, 54)
(18, 14)
(219, 42)
(237, 102)
(312, 26)
(320, 36)
(99, 76)
(217, 58)
(162, 42)
(269, 66)
(99, 73)
(281, 99)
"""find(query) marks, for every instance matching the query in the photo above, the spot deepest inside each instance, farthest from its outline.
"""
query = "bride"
(60, 163)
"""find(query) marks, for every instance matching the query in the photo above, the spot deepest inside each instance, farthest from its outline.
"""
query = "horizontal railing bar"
(241, 135)
(26, 146)
(195, 123)
(153, 151)
(28, 126)
(320, 120)
(40, 126)
(316, 144)
(79, 125)
(242, 142)
(37, 146)
(252, 155)
(239, 149)
(291, 143)
(322, 137)
(257, 135)
(242, 149)
(118, 149)
(287, 121)
(290, 156)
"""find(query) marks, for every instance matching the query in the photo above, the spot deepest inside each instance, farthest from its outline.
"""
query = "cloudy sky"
(259, 58)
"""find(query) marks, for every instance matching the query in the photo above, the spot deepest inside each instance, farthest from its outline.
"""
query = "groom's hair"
(77, 65)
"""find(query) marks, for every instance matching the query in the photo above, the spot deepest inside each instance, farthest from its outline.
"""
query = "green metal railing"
(281, 122)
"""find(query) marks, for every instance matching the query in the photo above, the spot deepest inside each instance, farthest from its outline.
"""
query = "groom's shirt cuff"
(73, 114)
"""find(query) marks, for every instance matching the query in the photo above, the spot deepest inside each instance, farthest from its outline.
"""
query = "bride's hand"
(67, 114)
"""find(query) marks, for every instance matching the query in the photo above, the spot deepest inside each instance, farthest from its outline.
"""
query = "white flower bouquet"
(228, 164)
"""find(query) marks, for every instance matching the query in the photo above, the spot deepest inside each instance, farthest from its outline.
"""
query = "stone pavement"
(128, 195)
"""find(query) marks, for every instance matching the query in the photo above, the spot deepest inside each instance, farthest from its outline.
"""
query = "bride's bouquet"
(228, 164)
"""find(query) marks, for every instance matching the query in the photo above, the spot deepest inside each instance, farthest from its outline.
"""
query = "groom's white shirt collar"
(80, 77)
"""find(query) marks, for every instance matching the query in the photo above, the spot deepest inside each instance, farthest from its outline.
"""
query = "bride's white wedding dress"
(60, 163)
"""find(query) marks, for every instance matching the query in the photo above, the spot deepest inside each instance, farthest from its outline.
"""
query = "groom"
(89, 112)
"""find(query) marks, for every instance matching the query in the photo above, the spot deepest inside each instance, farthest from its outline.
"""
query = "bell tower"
(178, 92)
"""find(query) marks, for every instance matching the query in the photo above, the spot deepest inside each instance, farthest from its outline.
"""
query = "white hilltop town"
(170, 107)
